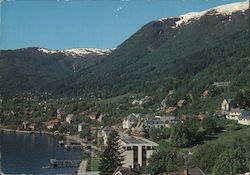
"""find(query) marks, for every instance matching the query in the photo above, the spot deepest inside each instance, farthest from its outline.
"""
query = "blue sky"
(61, 24)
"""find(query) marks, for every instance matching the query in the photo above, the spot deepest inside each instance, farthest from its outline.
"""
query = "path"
(82, 168)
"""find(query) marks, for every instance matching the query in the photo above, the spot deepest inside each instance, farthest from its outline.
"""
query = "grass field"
(228, 137)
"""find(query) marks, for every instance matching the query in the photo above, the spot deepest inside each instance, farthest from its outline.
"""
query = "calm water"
(25, 153)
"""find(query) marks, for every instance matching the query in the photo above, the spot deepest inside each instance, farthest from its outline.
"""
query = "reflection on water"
(25, 153)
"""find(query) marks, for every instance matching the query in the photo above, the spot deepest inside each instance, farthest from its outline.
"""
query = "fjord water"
(28, 153)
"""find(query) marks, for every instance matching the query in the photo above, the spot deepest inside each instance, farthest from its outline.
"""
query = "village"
(140, 133)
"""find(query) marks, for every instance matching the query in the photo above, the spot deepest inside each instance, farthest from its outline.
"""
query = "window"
(135, 148)
(129, 148)
(144, 156)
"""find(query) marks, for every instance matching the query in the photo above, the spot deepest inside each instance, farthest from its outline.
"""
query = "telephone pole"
(1, 172)
(1, 112)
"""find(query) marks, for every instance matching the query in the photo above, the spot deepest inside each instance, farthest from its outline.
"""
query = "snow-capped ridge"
(227, 9)
(77, 51)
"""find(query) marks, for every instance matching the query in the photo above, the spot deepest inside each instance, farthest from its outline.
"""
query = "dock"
(75, 146)
(65, 163)
(70, 147)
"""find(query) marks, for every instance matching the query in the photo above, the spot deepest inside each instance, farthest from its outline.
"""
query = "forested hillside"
(162, 56)
(188, 58)
(32, 69)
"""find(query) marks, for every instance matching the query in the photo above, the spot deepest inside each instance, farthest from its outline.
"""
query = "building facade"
(81, 126)
(71, 118)
(240, 115)
(129, 121)
(137, 150)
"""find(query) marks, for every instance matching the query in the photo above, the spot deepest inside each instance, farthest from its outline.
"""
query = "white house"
(244, 120)
(247, 173)
(81, 126)
(168, 120)
(105, 134)
(181, 103)
(163, 104)
(71, 118)
(135, 102)
(225, 105)
(234, 114)
(221, 84)
(155, 122)
(60, 113)
(137, 150)
(240, 115)
(130, 120)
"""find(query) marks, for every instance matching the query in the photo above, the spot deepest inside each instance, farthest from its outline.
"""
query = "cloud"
(119, 9)
(64, 0)
(6, 0)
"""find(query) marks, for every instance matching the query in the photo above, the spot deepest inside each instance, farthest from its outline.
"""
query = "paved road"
(82, 168)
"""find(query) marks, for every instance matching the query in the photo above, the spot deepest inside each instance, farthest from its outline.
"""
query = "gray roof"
(132, 117)
(235, 110)
(244, 114)
(191, 171)
(133, 141)
(107, 129)
(154, 121)
(126, 171)
(167, 118)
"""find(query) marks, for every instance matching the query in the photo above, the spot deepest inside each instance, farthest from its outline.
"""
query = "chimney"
(186, 172)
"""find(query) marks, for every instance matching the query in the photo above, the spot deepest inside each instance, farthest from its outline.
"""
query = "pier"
(70, 147)
(65, 163)
(76, 146)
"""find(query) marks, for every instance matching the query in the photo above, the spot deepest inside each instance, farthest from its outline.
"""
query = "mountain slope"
(35, 68)
(187, 53)
(172, 53)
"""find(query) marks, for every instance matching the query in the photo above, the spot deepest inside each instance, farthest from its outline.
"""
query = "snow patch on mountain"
(77, 52)
(227, 9)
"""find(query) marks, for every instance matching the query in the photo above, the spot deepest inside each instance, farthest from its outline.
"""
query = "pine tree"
(112, 156)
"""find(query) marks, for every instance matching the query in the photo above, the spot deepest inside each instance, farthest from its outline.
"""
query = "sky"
(64, 24)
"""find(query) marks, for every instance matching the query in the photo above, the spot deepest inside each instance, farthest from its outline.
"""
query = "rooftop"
(107, 128)
(133, 141)
(126, 171)
(191, 171)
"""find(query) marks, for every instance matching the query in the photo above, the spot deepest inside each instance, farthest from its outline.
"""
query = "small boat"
(46, 167)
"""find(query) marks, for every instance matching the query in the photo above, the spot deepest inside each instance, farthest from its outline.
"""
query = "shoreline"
(75, 138)
(81, 168)
(32, 132)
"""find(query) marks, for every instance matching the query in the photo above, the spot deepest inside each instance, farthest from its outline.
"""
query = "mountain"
(186, 53)
(35, 68)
